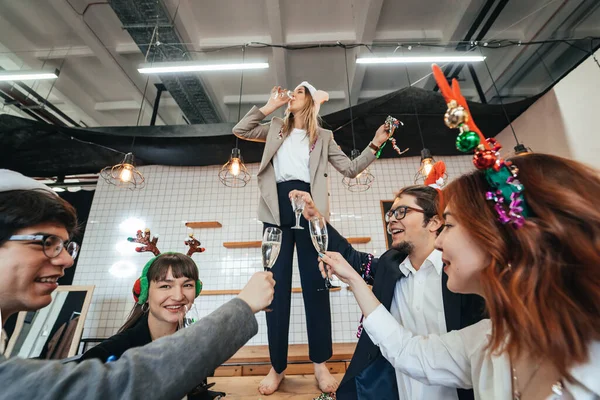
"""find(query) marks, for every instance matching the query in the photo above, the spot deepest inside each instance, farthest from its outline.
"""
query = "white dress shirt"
(291, 160)
(460, 359)
(418, 305)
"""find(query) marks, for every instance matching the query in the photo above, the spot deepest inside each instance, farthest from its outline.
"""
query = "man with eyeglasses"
(35, 226)
(409, 281)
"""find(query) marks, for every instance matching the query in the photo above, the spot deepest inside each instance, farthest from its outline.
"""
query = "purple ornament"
(502, 217)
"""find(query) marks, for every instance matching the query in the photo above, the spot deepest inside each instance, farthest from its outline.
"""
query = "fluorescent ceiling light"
(28, 75)
(419, 59)
(168, 67)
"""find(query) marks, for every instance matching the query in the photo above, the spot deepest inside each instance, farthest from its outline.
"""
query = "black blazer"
(136, 336)
(370, 375)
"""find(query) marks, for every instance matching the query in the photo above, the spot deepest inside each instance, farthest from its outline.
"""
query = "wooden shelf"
(220, 292)
(202, 225)
(237, 291)
(255, 244)
(243, 245)
(359, 240)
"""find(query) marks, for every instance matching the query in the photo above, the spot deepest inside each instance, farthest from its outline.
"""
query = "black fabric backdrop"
(38, 149)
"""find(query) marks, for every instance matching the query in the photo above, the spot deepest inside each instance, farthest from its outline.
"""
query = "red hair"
(542, 287)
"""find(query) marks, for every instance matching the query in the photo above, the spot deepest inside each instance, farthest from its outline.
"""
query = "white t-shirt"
(291, 160)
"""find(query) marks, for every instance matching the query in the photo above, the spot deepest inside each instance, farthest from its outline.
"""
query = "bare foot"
(327, 383)
(271, 382)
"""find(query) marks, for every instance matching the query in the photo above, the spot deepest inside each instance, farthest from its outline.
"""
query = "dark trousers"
(316, 303)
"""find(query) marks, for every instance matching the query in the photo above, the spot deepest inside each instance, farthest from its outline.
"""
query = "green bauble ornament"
(467, 141)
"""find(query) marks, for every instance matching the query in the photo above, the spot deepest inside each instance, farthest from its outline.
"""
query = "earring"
(145, 310)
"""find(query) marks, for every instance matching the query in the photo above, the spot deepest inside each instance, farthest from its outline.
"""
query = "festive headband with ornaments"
(505, 188)
(149, 243)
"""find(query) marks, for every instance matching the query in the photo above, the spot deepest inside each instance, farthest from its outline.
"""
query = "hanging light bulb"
(124, 174)
(234, 172)
(235, 167)
(427, 162)
(362, 181)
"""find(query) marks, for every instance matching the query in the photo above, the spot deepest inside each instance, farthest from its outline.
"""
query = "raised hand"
(337, 265)
(310, 209)
(258, 292)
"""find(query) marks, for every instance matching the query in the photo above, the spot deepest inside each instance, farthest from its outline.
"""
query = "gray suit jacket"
(326, 150)
(167, 368)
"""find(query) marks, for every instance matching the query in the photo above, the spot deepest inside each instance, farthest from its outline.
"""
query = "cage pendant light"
(363, 181)
(427, 159)
(124, 175)
(234, 173)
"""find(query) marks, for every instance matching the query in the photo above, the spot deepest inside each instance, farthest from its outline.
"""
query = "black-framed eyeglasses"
(52, 245)
(400, 212)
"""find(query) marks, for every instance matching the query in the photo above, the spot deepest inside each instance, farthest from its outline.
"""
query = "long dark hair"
(542, 287)
(181, 266)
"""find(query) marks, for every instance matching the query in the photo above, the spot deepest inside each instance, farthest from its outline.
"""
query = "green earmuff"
(141, 285)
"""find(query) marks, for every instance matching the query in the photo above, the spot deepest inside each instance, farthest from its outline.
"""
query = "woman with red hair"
(541, 283)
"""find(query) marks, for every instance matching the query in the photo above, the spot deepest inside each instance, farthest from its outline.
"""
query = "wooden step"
(296, 353)
(335, 367)
(296, 387)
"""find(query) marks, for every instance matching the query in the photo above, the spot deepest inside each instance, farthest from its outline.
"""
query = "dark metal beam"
(27, 103)
(9, 101)
(474, 26)
(483, 31)
(151, 27)
(46, 103)
(477, 84)
(159, 89)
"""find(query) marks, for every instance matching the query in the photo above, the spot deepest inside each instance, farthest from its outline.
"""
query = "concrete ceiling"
(97, 56)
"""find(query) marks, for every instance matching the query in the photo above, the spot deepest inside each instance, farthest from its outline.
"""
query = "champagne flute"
(190, 316)
(270, 249)
(283, 94)
(319, 237)
(298, 206)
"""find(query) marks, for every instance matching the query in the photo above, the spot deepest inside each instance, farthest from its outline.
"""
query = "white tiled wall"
(174, 195)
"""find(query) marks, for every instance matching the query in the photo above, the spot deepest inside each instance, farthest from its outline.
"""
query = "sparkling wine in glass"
(298, 206)
(270, 249)
(190, 316)
(319, 237)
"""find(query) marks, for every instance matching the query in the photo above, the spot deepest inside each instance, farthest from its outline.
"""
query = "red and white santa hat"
(319, 96)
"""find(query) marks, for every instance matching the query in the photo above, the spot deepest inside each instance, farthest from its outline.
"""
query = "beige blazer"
(326, 150)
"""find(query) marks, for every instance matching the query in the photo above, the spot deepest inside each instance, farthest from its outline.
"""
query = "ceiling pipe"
(10, 102)
(46, 103)
(26, 103)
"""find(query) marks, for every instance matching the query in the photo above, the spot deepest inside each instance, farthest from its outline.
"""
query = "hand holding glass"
(190, 316)
(282, 94)
(318, 234)
(270, 249)
(298, 206)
